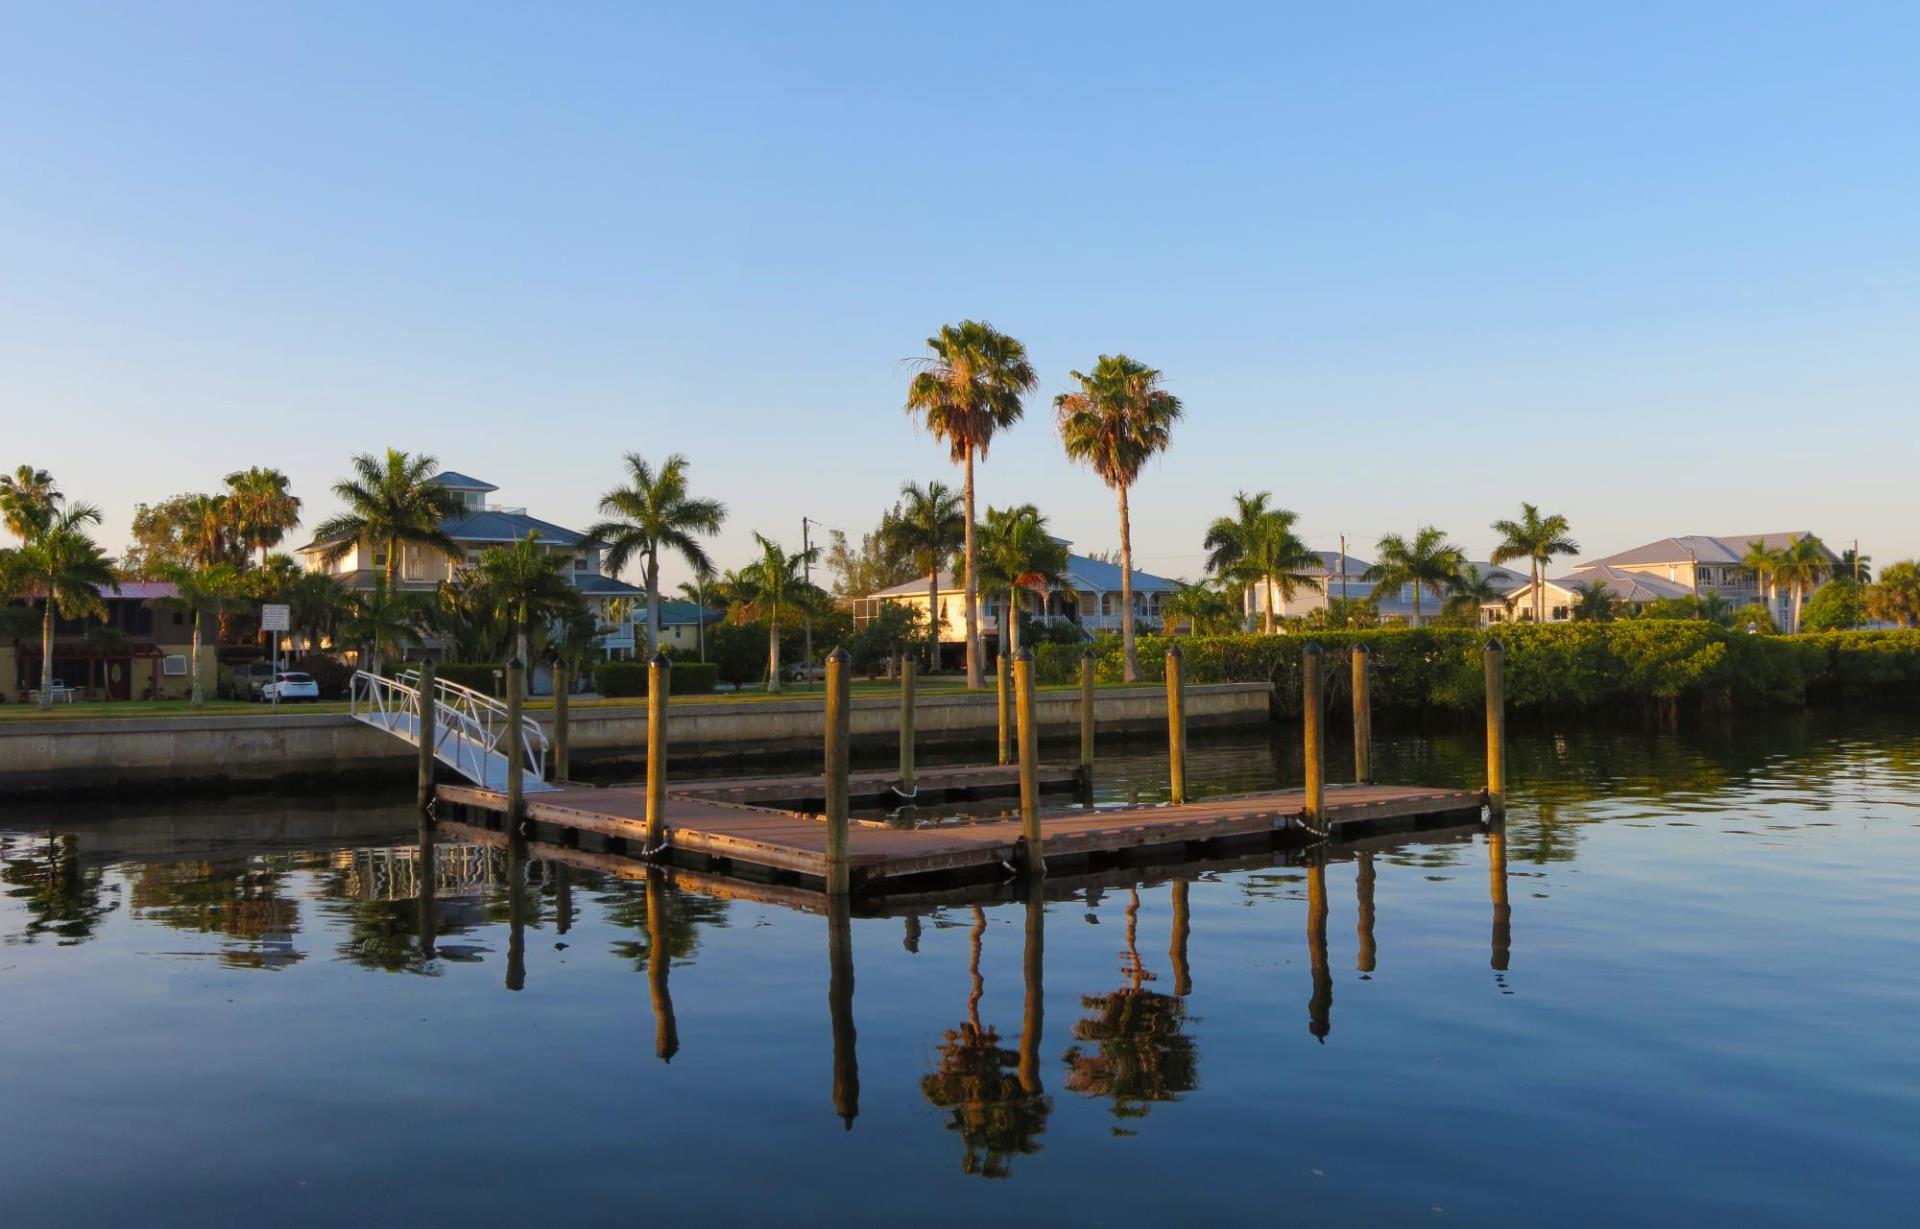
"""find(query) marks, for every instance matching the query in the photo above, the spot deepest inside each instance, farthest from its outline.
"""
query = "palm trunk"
(969, 587)
(773, 651)
(1539, 596)
(653, 605)
(1416, 604)
(1129, 659)
(1012, 640)
(199, 699)
(393, 562)
(933, 619)
(1267, 621)
(1796, 591)
(46, 655)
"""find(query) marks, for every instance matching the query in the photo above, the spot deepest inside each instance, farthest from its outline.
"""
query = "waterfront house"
(1089, 601)
(138, 651)
(1341, 576)
(1691, 565)
(682, 625)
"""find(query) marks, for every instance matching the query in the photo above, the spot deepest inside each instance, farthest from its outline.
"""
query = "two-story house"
(139, 650)
(1687, 566)
(1342, 576)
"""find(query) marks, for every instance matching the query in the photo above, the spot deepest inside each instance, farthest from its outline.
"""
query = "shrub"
(621, 679)
(1840, 606)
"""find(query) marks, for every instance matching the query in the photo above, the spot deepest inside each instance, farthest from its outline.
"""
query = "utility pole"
(1856, 561)
(1343, 567)
(700, 615)
(806, 563)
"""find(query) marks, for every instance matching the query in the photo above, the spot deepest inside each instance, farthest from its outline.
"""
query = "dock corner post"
(839, 730)
(1086, 715)
(1176, 727)
(425, 722)
(1362, 717)
(1004, 695)
(659, 691)
(562, 726)
(1496, 656)
(1312, 715)
(907, 671)
(516, 745)
(1029, 763)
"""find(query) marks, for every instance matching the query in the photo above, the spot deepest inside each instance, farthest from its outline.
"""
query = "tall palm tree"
(1017, 553)
(28, 501)
(1257, 546)
(391, 501)
(1764, 563)
(1801, 567)
(651, 514)
(1537, 539)
(774, 580)
(198, 590)
(206, 530)
(1429, 562)
(262, 506)
(62, 564)
(929, 526)
(1116, 421)
(384, 621)
(966, 388)
(525, 585)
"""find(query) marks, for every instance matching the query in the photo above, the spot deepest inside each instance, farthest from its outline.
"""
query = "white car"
(290, 686)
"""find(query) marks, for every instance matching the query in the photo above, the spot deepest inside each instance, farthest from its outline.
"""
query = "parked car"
(246, 682)
(290, 686)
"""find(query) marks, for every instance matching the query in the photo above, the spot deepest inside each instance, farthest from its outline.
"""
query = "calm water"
(1698, 1004)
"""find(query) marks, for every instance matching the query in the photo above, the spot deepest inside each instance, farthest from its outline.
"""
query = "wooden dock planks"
(938, 784)
(794, 843)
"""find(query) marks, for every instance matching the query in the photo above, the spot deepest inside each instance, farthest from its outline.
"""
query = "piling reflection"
(1140, 1052)
(1364, 960)
(1320, 1005)
(1177, 949)
(666, 1034)
(426, 897)
(1497, 887)
(516, 912)
(993, 1095)
(846, 1062)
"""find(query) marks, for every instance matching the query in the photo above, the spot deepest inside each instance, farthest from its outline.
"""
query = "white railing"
(470, 727)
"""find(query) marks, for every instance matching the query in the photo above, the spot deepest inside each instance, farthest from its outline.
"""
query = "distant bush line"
(1659, 663)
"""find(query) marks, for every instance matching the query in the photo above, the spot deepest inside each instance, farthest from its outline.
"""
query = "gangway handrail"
(469, 726)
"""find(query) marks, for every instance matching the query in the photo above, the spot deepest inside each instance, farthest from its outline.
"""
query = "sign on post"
(276, 617)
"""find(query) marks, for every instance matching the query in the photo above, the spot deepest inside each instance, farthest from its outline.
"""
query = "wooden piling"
(1312, 713)
(659, 691)
(1005, 698)
(1362, 717)
(562, 727)
(907, 671)
(423, 793)
(1176, 728)
(1496, 659)
(839, 726)
(1029, 764)
(1086, 714)
(516, 745)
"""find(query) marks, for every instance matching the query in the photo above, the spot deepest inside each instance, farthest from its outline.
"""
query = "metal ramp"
(469, 727)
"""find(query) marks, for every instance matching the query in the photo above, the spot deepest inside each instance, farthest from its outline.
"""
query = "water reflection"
(666, 1033)
(1140, 1051)
(1320, 1005)
(1364, 958)
(62, 897)
(1497, 888)
(846, 1062)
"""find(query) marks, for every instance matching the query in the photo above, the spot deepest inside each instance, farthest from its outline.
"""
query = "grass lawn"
(130, 709)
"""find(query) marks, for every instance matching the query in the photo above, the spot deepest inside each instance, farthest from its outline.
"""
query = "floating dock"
(768, 845)
(807, 791)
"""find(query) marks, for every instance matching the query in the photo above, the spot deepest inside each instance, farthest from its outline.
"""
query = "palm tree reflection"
(61, 897)
(1140, 1054)
(993, 1095)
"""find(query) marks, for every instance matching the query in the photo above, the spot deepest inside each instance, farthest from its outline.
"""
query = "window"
(1559, 613)
(580, 563)
(174, 665)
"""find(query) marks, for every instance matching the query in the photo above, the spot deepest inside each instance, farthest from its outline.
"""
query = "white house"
(1340, 576)
(1679, 567)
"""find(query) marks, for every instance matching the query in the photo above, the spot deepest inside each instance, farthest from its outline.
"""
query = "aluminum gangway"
(469, 727)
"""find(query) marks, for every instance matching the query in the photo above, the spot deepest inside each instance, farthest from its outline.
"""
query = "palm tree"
(1203, 609)
(774, 580)
(1428, 562)
(1258, 547)
(651, 514)
(1593, 602)
(1855, 566)
(1537, 539)
(1801, 567)
(1016, 553)
(317, 602)
(61, 564)
(1229, 537)
(262, 506)
(928, 526)
(197, 590)
(384, 621)
(1764, 563)
(967, 388)
(1118, 419)
(527, 586)
(28, 501)
(1895, 597)
(206, 530)
(390, 501)
(1470, 592)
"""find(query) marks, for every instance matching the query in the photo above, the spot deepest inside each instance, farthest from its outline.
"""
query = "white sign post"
(274, 619)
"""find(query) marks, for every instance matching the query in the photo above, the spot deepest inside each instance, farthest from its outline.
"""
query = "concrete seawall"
(186, 755)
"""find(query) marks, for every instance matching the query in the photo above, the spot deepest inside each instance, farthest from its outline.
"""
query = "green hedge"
(1575, 665)
(629, 678)
(479, 675)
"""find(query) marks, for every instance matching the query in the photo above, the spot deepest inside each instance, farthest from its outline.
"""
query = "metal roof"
(1082, 573)
(605, 586)
(454, 480)
(1698, 548)
(1625, 586)
(492, 525)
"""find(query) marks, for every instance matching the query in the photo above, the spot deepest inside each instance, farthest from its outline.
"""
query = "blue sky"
(1651, 266)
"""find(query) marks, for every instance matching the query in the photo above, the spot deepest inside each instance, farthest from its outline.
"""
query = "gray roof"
(1700, 548)
(1082, 573)
(490, 525)
(454, 480)
(1330, 563)
(596, 585)
(1625, 586)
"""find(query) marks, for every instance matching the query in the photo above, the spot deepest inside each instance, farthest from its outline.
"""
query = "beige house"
(1340, 576)
(139, 651)
(1681, 567)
